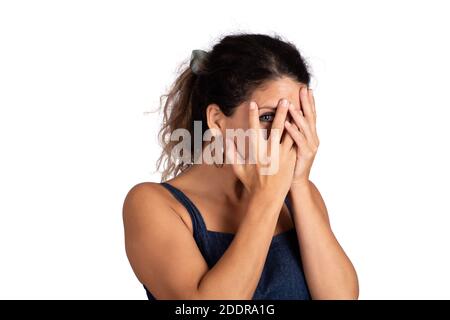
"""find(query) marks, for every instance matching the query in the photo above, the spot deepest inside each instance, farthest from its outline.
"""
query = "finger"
(306, 104)
(296, 135)
(253, 115)
(301, 123)
(314, 124)
(280, 117)
(232, 155)
(256, 134)
(313, 104)
(312, 146)
(302, 135)
(287, 141)
(253, 118)
(290, 118)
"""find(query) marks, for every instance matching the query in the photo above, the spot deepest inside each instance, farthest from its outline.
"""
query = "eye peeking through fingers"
(267, 117)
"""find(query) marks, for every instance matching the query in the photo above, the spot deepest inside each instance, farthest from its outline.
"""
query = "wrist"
(300, 185)
(268, 198)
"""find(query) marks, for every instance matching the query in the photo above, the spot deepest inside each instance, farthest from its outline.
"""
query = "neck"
(217, 180)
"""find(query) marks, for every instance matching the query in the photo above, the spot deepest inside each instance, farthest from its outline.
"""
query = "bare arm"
(329, 272)
(166, 259)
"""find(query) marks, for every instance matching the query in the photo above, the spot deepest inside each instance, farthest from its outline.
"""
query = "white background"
(77, 79)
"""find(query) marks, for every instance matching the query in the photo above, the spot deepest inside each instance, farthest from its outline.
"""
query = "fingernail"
(252, 105)
(284, 103)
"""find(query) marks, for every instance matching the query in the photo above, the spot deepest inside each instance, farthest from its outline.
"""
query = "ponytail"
(177, 113)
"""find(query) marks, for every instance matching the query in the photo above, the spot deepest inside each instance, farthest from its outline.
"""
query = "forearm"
(237, 273)
(328, 270)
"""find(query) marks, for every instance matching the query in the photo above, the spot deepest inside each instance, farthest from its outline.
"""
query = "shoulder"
(149, 205)
(147, 201)
(143, 192)
(142, 195)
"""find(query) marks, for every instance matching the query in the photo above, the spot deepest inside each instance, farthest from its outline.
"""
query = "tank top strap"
(289, 206)
(198, 224)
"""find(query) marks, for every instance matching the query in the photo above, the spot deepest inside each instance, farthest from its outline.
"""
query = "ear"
(215, 118)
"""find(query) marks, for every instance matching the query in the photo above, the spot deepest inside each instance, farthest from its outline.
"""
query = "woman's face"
(267, 98)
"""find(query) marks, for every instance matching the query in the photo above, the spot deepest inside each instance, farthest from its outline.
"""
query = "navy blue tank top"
(282, 276)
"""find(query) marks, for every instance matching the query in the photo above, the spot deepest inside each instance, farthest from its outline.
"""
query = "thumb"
(234, 158)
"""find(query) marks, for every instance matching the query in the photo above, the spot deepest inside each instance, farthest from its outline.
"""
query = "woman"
(236, 230)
